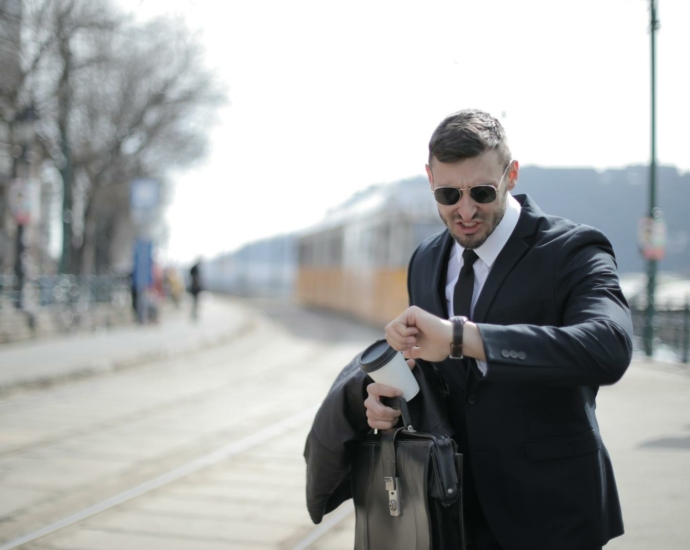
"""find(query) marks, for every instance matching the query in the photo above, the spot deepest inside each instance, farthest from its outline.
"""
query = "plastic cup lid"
(377, 355)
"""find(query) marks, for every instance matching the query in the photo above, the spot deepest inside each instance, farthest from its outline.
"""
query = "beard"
(489, 224)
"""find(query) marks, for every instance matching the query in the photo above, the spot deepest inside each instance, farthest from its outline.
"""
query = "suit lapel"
(514, 249)
(510, 255)
(440, 270)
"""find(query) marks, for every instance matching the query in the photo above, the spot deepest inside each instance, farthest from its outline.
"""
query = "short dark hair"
(468, 134)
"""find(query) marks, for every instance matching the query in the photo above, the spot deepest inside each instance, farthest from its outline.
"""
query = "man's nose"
(466, 207)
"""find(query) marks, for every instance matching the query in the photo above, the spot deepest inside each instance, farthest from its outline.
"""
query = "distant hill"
(613, 201)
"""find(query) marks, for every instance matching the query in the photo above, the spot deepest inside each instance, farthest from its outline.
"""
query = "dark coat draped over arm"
(341, 423)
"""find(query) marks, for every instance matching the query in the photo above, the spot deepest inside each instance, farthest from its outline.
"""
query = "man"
(537, 323)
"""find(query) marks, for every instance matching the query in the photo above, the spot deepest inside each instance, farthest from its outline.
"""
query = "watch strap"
(458, 323)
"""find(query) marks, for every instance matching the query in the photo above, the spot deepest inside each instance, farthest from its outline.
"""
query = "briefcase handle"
(400, 403)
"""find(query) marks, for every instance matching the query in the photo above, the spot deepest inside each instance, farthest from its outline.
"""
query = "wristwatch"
(458, 323)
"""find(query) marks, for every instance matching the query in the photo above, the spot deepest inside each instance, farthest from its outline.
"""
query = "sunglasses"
(482, 194)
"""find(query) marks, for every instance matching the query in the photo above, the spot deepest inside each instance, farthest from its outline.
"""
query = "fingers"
(420, 334)
(377, 390)
(414, 352)
(379, 416)
(399, 336)
(402, 331)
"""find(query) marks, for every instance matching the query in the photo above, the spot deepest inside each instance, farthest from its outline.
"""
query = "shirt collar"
(489, 251)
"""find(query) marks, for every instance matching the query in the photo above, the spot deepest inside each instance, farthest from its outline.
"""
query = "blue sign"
(142, 276)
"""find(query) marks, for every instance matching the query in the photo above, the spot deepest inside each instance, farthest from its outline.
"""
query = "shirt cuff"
(483, 366)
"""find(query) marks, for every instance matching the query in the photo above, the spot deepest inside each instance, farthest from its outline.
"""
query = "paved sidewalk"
(47, 361)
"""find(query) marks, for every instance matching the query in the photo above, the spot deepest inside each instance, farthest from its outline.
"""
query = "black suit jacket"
(555, 327)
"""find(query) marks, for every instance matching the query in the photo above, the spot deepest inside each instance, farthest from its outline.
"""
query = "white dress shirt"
(487, 254)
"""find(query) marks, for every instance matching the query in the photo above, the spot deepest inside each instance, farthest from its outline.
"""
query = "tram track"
(169, 477)
(89, 389)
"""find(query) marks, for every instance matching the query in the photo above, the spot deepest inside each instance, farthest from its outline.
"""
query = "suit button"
(505, 353)
(472, 399)
(522, 355)
(513, 354)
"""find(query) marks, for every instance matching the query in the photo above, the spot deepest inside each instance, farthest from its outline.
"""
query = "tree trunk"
(66, 167)
(88, 248)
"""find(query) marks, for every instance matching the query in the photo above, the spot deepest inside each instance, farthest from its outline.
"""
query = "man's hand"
(379, 416)
(420, 335)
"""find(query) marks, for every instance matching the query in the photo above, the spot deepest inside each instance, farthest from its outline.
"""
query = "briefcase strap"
(391, 483)
(400, 403)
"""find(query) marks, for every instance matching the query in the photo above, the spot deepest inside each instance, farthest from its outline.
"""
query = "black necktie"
(462, 295)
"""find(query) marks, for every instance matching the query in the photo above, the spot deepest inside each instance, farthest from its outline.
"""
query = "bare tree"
(55, 49)
(117, 101)
(145, 112)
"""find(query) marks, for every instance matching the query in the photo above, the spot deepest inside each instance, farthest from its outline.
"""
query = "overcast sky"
(328, 97)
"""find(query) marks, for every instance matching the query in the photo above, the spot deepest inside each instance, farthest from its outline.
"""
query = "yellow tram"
(355, 261)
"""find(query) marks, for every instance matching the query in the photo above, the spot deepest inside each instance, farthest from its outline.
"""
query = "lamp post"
(24, 130)
(654, 212)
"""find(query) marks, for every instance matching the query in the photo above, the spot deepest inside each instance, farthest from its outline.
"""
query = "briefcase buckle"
(392, 486)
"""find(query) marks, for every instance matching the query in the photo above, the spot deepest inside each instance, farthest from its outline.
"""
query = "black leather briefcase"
(407, 490)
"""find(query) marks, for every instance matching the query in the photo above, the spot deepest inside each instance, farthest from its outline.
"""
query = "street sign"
(651, 237)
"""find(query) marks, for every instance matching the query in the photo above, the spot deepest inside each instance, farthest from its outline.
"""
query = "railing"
(70, 302)
(671, 329)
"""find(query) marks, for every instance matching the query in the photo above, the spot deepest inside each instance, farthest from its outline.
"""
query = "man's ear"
(430, 176)
(513, 172)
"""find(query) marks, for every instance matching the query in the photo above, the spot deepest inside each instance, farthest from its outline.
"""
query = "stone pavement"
(72, 446)
(46, 361)
(645, 422)
(256, 499)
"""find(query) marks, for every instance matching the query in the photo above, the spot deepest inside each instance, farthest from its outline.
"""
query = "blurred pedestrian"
(195, 288)
(134, 293)
(155, 294)
(174, 285)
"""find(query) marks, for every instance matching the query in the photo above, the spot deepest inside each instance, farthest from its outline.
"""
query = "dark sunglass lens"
(447, 195)
(483, 193)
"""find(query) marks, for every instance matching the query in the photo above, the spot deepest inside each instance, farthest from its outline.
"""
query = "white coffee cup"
(387, 366)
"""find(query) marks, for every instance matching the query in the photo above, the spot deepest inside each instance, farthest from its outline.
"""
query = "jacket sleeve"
(592, 345)
(339, 423)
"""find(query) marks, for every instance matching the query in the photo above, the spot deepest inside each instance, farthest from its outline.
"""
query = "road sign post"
(144, 201)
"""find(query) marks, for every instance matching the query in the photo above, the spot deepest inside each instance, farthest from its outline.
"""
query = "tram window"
(336, 249)
(306, 253)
